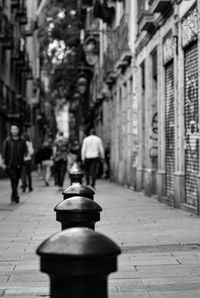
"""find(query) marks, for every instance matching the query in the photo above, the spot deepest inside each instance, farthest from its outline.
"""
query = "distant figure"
(47, 161)
(27, 165)
(38, 161)
(14, 151)
(60, 151)
(107, 160)
(91, 152)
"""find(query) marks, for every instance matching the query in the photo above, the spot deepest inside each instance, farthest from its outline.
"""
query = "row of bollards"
(78, 260)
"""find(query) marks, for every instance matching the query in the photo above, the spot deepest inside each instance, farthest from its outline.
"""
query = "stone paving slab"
(155, 260)
(132, 295)
(176, 294)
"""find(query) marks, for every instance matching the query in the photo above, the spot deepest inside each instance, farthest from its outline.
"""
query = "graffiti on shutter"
(191, 124)
(169, 130)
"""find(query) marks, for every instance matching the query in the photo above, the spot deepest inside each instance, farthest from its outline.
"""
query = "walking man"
(91, 152)
(60, 152)
(14, 151)
(27, 165)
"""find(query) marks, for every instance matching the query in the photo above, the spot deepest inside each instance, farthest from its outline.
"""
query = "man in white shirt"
(91, 151)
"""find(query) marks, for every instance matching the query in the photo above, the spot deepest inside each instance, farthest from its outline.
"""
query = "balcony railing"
(8, 102)
(146, 21)
(16, 53)
(29, 73)
(14, 106)
(108, 61)
(7, 98)
(21, 15)
(2, 97)
(1, 90)
(118, 45)
(160, 5)
(15, 4)
(6, 32)
(21, 12)
(122, 36)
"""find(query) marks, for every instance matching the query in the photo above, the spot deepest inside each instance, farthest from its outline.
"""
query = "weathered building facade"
(168, 97)
(114, 100)
(147, 104)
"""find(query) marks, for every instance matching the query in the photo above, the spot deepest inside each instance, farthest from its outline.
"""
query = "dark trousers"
(59, 171)
(91, 166)
(14, 173)
(26, 175)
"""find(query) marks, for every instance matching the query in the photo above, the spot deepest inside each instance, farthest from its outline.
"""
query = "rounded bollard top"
(78, 189)
(78, 204)
(78, 243)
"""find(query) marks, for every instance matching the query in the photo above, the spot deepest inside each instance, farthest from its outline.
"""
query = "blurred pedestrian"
(47, 161)
(73, 153)
(27, 165)
(60, 151)
(92, 152)
(14, 151)
(38, 161)
(107, 161)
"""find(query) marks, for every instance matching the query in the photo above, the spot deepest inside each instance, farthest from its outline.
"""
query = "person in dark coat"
(14, 151)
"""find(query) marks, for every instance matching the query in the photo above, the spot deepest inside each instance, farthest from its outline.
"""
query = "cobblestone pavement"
(161, 245)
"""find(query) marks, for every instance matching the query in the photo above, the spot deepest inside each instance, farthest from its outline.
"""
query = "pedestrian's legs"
(63, 165)
(108, 169)
(10, 175)
(28, 172)
(87, 170)
(18, 175)
(23, 177)
(14, 174)
(47, 174)
(44, 171)
(56, 171)
(93, 168)
(40, 171)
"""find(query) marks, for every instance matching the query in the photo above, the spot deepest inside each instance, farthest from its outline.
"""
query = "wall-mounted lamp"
(76, 96)
(91, 49)
(82, 83)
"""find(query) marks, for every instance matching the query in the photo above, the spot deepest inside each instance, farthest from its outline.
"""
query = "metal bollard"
(77, 189)
(75, 174)
(78, 262)
(78, 212)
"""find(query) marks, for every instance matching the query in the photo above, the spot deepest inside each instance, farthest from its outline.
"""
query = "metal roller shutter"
(169, 129)
(191, 123)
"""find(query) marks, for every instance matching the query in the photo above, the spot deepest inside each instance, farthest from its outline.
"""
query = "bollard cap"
(78, 252)
(78, 243)
(78, 204)
(78, 189)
